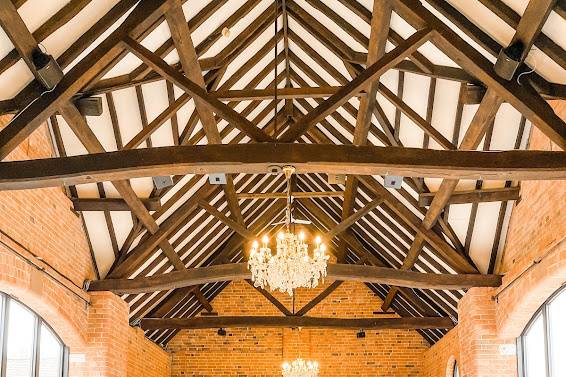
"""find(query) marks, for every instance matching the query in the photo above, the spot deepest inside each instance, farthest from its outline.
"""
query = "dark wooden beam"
(295, 321)
(112, 204)
(282, 308)
(381, 18)
(321, 296)
(181, 35)
(257, 158)
(474, 196)
(344, 272)
(350, 220)
(137, 256)
(297, 194)
(282, 93)
(234, 225)
(202, 299)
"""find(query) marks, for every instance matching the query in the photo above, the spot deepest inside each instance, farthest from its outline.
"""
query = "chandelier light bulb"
(300, 368)
(318, 240)
(290, 267)
(255, 244)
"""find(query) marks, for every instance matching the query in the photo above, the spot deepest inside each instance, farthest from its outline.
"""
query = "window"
(28, 346)
(456, 373)
(543, 342)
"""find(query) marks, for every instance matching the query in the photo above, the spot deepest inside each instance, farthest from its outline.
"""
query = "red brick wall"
(439, 359)
(40, 220)
(260, 352)
(44, 259)
(145, 358)
(539, 219)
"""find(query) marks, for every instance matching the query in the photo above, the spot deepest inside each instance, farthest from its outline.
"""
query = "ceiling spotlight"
(226, 32)
(361, 334)
(221, 332)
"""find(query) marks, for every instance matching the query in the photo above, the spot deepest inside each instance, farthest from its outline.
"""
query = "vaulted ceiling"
(436, 89)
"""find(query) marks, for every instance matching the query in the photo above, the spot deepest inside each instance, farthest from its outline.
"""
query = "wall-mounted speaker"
(90, 106)
(48, 70)
(509, 60)
(392, 181)
(162, 182)
(337, 179)
(217, 179)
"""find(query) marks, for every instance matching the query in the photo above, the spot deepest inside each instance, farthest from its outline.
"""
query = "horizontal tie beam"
(344, 272)
(296, 321)
(260, 157)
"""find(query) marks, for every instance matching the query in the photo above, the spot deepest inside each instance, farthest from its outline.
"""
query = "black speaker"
(48, 69)
(90, 106)
(509, 60)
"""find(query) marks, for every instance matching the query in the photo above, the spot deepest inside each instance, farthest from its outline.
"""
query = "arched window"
(28, 346)
(456, 373)
(543, 342)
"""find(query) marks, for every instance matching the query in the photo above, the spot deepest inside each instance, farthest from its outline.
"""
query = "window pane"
(534, 350)
(21, 328)
(51, 354)
(557, 314)
(456, 372)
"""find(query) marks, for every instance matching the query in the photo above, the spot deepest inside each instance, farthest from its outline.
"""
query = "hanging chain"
(289, 170)
(275, 68)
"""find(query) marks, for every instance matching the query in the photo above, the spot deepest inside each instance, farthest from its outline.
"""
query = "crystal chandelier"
(292, 266)
(300, 368)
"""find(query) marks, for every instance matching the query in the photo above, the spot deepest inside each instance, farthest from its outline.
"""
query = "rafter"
(237, 227)
(111, 204)
(381, 18)
(180, 33)
(350, 220)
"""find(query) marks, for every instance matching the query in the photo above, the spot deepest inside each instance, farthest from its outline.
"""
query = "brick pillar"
(106, 354)
(482, 353)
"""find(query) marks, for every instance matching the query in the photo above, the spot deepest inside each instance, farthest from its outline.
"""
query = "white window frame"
(5, 301)
(544, 312)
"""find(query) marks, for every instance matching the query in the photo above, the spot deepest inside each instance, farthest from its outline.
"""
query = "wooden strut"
(296, 321)
(344, 272)
(307, 158)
